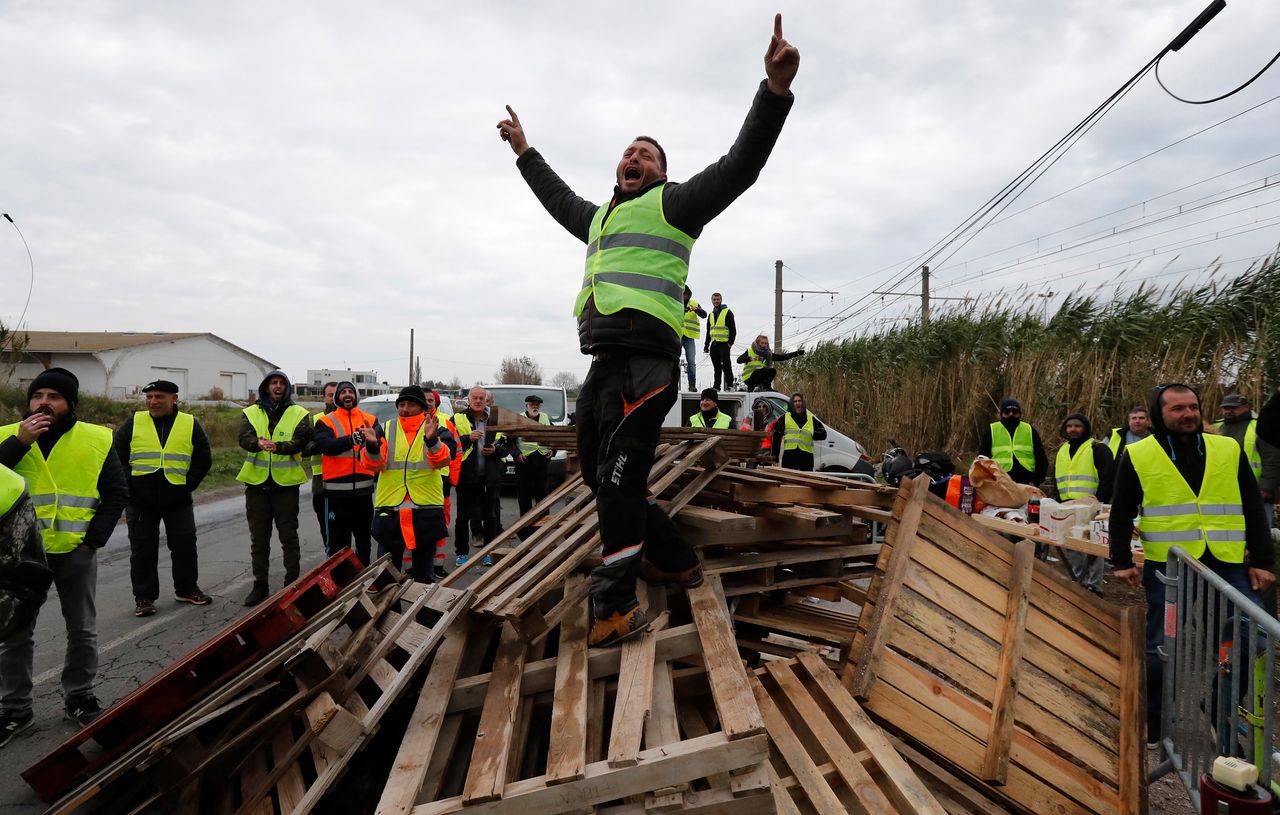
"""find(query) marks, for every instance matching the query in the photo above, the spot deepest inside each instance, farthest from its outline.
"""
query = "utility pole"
(778, 291)
(410, 382)
(925, 297)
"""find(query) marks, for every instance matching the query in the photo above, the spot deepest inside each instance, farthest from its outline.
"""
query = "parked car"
(384, 406)
(555, 403)
(837, 454)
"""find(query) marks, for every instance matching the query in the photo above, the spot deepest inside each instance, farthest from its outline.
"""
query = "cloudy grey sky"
(311, 180)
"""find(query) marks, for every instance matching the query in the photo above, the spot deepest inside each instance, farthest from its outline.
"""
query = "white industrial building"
(366, 382)
(120, 363)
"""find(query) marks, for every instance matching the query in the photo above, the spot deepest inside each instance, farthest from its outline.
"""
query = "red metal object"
(1215, 798)
(193, 677)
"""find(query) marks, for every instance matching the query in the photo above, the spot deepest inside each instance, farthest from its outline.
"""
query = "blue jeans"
(1236, 574)
(690, 363)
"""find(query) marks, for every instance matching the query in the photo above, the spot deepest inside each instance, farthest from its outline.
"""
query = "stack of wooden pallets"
(816, 670)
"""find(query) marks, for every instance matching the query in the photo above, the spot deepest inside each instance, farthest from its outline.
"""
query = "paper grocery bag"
(995, 487)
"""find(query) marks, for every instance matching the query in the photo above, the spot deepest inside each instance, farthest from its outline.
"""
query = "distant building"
(366, 382)
(120, 363)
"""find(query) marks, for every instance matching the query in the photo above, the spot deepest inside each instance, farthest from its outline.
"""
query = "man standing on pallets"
(630, 314)
(1191, 489)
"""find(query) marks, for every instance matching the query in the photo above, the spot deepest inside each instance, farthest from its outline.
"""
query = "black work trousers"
(421, 530)
(478, 507)
(317, 504)
(620, 411)
(144, 548)
(760, 379)
(347, 516)
(531, 481)
(722, 364)
(264, 506)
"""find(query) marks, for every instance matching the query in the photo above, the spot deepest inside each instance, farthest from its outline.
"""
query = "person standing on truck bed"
(794, 434)
(757, 370)
(630, 314)
(1015, 445)
(722, 331)
(693, 312)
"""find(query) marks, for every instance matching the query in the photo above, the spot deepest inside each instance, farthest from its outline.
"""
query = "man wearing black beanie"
(79, 491)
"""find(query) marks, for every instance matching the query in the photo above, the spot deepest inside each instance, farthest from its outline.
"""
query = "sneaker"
(256, 595)
(460, 560)
(1153, 732)
(83, 710)
(439, 573)
(13, 722)
(488, 560)
(195, 598)
(688, 579)
(143, 608)
(617, 627)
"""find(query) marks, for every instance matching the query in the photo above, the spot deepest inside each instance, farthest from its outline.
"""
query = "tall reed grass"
(932, 386)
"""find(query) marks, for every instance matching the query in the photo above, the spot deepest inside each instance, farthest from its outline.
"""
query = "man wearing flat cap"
(166, 453)
(1015, 445)
(79, 490)
(531, 460)
(1238, 423)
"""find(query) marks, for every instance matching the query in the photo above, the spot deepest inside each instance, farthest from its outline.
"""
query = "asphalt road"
(131, 650)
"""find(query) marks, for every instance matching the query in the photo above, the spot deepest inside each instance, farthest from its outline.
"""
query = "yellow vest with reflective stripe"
(718, 332)
(1117, 436)
(287, 471)
(722, 422)
(1005, 448)
(409, 480)
(754, 362)
(1173, 515)
(317, 459)
(462, 423)
(796, 437)
(12, 488)
(635, 259)
(692, 325)
(528, 448)
(1076, 476)
(64, 488)
(147, 456)
(1250, 446)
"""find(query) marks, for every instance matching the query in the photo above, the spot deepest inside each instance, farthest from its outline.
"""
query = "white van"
(837, 454)
(555, 403)
(383, 406)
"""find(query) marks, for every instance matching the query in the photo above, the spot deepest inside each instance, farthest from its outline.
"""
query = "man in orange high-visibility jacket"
(348, 480)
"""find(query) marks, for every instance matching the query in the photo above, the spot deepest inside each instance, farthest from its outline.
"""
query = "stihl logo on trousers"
(618, 467)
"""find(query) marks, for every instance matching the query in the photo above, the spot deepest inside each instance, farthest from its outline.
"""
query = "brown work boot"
(688, 579)
(618, 626)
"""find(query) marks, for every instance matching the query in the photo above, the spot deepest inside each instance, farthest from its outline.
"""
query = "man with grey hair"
(480, 479)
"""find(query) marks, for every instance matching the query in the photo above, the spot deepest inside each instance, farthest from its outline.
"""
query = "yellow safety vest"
(1004, 448)
(12, 488)
(64, 488)
(317, 460)
(408, 480)
(1172, 514)
(287, 471)
(1117, 436)
(1251, 446)
(635, 259)
(528, 448)
(722, 423)
(692, 325)
(718, 332)
(1076, 476)
(795, 437)
(755, 362)
(147, 456)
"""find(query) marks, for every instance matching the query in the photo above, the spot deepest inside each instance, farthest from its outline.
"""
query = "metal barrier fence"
(1218, 660)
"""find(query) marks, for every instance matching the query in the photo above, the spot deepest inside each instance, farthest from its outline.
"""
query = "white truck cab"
(836, 454)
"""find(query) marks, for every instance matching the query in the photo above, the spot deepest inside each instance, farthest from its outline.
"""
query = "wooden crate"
(827, 756)
(666, 722)
(1023, 682)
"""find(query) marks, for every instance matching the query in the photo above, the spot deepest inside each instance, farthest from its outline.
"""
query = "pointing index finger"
(777, 25)
(514, 117)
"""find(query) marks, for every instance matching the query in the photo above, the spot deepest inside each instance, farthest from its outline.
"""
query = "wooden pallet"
(1022, 681)
(828, 756)
(666, 722)
(195, 676)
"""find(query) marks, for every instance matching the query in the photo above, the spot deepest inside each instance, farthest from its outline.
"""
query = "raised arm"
(570, 210)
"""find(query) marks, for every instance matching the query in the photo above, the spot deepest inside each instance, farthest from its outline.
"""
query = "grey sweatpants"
(75, 576)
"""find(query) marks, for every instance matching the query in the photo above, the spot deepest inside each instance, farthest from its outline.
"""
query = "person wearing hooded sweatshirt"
(274, 433)
(166, 453)
(1015, 445)
(79, 490)
(757, 369)
(794, 434)
(1179, 467)
(1082, 468)
(348, 481)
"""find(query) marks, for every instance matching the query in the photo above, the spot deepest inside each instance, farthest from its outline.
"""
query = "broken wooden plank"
(995, 766)
(729, 688)
(488, 772)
